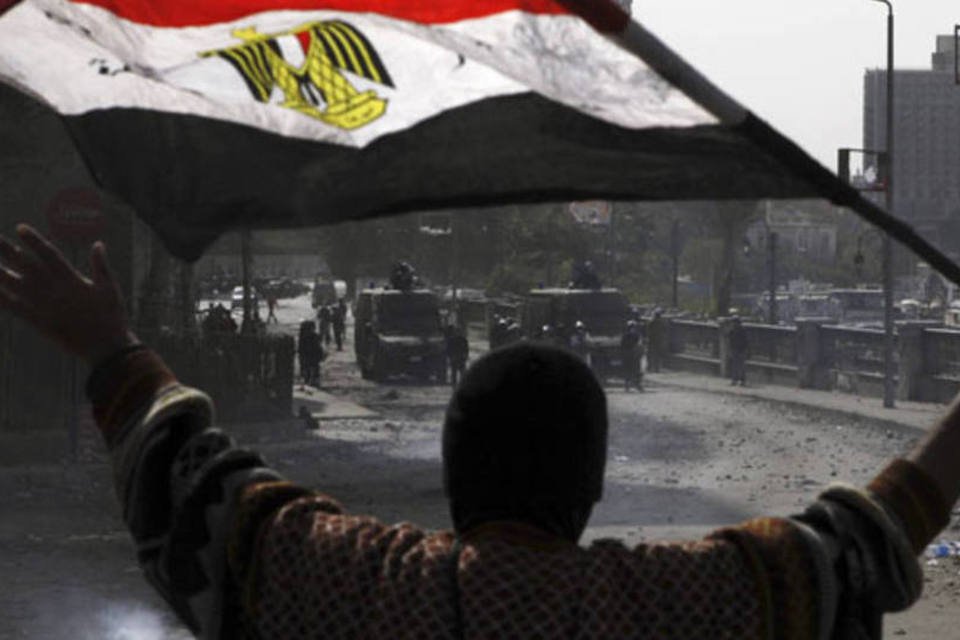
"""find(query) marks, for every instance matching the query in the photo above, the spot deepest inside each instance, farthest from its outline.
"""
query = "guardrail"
(853, 358)
(815, 354)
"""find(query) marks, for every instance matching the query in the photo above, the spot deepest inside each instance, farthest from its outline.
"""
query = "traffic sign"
(75, 214)
(591, 212)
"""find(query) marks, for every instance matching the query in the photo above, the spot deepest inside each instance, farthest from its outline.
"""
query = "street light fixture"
(956, 53)
(888, 388)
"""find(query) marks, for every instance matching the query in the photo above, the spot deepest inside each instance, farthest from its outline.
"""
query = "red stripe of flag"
(602, 14)
(183, 13)
(7, 4)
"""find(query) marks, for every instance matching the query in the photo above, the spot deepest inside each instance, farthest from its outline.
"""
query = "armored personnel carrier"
(603, 311)
(398, 332)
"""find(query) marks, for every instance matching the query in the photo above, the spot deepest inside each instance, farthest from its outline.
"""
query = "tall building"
(926, 163)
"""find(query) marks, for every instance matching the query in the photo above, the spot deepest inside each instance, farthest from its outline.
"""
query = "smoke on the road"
(129, 621)
(87, 616)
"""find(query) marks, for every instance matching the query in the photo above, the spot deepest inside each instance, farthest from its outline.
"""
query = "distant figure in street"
(458, 352)
(310, 353)
(585, 276)
(578, 341)
(631, 353)
(544, 334)
(272, 308)
(656, 341)
(498, 332)
(403, 277)
(513, 333)
(309, 422)
(325, 316)
(256, 325)
(208, 326)
(339, 320)
(218, 322)
(738, 353)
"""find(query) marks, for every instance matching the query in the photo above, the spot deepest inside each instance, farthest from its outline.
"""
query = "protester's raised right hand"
(84, 316)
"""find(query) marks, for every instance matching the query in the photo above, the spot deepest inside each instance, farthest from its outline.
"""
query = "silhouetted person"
(458, 352)
(325, 316)
(310, 351)
(272, 308)
(578, 341)
(339, 322)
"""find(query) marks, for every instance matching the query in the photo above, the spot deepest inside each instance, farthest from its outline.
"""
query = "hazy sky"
(799, 64)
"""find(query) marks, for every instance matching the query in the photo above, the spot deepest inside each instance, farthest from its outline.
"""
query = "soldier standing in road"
(310, 352)
(272, 308)
(498, 330)
(513, 333)
(578, 341)
(325, 317)
(656, 339)
(738, 353)
(631, 352)
(458, 352)
(339, 323)
(209, 324)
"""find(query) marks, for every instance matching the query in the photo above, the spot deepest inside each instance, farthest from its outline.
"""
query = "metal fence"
(248, 377)
(38, 383)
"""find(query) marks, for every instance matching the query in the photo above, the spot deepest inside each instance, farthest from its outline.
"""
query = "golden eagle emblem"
(317, 87)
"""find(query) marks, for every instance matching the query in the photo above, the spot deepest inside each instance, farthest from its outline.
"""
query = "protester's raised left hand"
(84, 316)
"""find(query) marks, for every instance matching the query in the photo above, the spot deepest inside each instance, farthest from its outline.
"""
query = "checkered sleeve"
(186, 489)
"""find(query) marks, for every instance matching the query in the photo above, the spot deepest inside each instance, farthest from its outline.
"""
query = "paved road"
(683, 459)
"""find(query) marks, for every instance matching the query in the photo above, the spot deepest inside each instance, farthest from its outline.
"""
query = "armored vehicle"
(324, 293)
(398, 332)
(603, 312)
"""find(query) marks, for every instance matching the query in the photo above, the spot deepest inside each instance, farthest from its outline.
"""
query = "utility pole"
(611, 248)
(888, 373)
(772, 243)
(675, 256)
(246, 264)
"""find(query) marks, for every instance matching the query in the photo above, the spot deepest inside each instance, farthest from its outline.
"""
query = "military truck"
(399, 333)
(604, 313)
(324, 293)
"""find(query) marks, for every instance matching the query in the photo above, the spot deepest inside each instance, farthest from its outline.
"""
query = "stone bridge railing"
(814, 354)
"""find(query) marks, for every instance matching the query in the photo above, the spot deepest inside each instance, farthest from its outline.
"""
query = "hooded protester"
(525, 441)
(238, 551)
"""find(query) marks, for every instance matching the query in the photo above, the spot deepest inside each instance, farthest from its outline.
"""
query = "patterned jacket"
(239, 552)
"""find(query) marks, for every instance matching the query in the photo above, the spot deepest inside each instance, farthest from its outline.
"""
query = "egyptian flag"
(212, 115)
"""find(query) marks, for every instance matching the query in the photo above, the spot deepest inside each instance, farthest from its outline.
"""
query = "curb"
(891, 422)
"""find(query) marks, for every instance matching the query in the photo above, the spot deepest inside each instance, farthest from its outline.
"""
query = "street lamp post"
(675, 266)
(246, 263)
(772, 245)
(888, 388)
